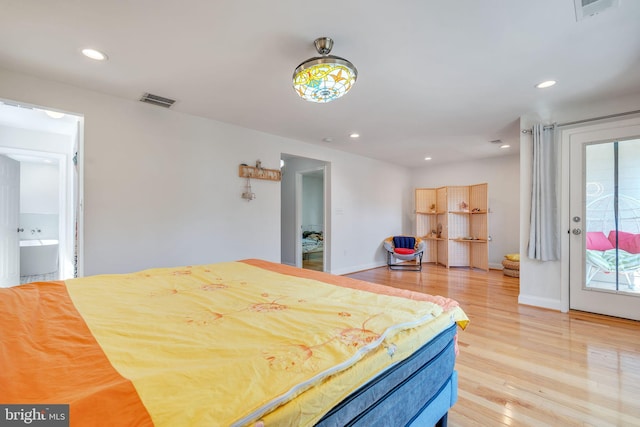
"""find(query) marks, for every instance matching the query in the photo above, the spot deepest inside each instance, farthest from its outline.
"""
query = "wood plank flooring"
(526, 366)
(313, 261)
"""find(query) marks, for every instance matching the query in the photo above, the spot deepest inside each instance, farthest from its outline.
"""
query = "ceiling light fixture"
(324, 78)
(354, 135)
(427, 158)
(505, 146)
(54, 114)
(545, 84)
(94, 54)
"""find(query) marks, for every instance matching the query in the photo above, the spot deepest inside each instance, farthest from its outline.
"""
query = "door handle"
(20, 230)
(576, 231)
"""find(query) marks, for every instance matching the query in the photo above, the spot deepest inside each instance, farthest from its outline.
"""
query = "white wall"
(161, 188)
(39, 188)
(312, 195)
(369, 201)
(545, 284)
(39, 201)
(501, 174)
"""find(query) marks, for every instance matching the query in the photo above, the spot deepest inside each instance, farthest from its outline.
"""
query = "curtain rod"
(584, 121)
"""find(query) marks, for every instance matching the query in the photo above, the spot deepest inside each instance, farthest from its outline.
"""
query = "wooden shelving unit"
(259, 173)
(453, 222)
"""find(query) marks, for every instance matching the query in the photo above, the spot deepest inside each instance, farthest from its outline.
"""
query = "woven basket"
(511, 265)
(511, 273)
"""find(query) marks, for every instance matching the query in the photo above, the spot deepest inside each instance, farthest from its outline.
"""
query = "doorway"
(604, 230)
(305, 225)
(44, 243)
(310, 217)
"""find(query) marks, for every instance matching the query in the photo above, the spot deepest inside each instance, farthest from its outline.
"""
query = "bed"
(312, 240)
(247, 343)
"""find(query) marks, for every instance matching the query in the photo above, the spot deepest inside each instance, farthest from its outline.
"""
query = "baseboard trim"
(535, 301)
(356, 269)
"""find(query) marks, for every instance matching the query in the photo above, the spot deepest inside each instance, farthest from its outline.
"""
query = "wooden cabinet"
(453, 222)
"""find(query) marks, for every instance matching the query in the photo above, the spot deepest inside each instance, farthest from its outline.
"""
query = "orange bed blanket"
(139, 349)
(48, 355)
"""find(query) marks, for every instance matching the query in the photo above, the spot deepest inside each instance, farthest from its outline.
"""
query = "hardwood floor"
(526, 366)
(313, 261)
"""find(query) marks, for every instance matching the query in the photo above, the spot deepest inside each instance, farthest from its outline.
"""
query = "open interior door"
(9, 220)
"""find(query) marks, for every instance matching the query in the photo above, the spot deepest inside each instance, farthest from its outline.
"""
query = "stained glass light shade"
(324, 78)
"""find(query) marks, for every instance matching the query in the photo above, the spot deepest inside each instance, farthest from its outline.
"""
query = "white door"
(9, 220)
(604, 231)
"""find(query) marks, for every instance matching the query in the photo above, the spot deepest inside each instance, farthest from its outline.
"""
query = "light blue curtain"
(544, 234)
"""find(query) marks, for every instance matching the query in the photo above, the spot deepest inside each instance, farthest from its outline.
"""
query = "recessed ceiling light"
(505, 146)
(327, 139)
(545, 84)
(427, 158)
(354, 135)
(94, 54)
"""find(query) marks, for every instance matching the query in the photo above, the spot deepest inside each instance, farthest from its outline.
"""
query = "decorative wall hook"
(248, 194)
(245, 171)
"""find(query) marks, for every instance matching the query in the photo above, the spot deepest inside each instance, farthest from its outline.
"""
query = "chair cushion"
(404, 242)
(628, 242)
(512, 257)
(596, 240)
(404, 251)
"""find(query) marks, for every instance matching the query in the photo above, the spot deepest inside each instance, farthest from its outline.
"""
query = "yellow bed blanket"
(233, 343)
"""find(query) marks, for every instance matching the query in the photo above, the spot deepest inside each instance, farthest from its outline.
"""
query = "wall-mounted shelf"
(259, 173)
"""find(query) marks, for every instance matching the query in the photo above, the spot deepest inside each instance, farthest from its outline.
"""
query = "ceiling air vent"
(587, 8)
(150, 98)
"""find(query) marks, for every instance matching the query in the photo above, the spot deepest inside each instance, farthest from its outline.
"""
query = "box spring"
(416, 391)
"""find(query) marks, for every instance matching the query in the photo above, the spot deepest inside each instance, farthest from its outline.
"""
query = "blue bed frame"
(416, 392)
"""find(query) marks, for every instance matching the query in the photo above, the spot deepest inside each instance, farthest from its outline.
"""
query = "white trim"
(326, 203)
(80, 202)
(533, 300)
(357, 268)
(298, 217)
(571, 271)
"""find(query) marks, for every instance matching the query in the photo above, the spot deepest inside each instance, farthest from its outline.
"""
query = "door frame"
(573, 268)
(65, 204)
(9, 224)
(71, 176)
(298, 215)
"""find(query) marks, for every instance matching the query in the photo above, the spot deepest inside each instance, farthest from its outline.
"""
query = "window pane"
(613, 216)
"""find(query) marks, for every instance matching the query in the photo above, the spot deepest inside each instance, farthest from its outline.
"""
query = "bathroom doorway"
(44, 145)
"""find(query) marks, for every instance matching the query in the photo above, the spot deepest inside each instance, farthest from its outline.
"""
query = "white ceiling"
(436, 78)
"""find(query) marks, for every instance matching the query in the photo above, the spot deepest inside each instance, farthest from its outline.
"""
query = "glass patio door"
(605, 225)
